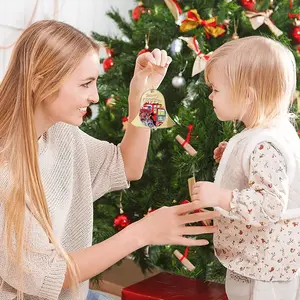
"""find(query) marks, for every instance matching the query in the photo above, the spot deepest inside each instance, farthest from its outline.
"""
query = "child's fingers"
(222, 144)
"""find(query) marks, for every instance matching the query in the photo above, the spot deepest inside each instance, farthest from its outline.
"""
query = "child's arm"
(266, 198)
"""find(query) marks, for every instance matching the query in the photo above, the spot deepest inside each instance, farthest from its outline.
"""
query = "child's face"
(221, 94)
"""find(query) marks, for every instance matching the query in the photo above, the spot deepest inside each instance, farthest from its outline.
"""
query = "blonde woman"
(256, 187)
(51, 171)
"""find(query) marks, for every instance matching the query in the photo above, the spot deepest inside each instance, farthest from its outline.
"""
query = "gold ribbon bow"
(193, 20)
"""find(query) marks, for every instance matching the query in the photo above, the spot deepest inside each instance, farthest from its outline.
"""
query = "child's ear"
(251, 95)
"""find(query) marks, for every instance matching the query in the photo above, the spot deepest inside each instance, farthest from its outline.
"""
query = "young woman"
(51, 172)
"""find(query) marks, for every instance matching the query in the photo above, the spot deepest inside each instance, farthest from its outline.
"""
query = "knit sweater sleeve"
(267, 196)
(106, 166)
(44, 269)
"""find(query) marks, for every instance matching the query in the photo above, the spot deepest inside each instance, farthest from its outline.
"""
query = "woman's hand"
(167, 225)
(150, 70)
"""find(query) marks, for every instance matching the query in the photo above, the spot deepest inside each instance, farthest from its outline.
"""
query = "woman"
(51, 172)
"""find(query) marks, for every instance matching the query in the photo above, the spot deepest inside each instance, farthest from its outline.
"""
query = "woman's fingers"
(157, 54)
(196, 230)
(190, 242)
(198, 217)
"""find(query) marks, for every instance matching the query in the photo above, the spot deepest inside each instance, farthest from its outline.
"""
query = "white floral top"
(266, 198)
(256, 243)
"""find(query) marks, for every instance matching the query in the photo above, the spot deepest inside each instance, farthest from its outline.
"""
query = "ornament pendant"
(153, 113)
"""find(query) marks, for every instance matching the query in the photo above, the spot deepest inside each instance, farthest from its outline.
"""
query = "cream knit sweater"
(76, 170)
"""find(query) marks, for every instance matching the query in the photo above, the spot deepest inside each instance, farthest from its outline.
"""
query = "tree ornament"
(211, 27)
(185, 143)
(111, 101)
(108, 63)
(146, 49)
(125, 123)
(248, 4)
(122, 220)
(235, 35)
(138, 11)
(184, 201)
(201, 58)
(184, 260)
(153, 113)
(178, 81)
(176, 47)
(175, 10)
(263, 17)
(295, 33)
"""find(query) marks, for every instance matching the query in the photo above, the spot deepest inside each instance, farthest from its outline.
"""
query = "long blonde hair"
(44, 55)
(262, 67)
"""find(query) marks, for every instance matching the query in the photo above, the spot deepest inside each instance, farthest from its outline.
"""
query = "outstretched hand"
(167, 225)
(150, 70)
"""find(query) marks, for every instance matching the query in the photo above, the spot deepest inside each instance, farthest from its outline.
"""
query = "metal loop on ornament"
(186, 63)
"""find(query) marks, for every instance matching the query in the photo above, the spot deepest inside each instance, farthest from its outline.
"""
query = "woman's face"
(77, 92)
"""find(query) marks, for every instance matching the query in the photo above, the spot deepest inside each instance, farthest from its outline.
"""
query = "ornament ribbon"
(175, 10)
(201, 59)
(193, 20)
(258, 18)
(185, 254)
(294, 16)
(188, 137)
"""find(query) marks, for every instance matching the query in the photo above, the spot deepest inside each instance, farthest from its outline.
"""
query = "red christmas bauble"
(136, 13)
(110, 52)
(184, 202)
(144, 51)
(248, 4)
(296, 34)
(121, 221)
(108, 63)
(110, 102)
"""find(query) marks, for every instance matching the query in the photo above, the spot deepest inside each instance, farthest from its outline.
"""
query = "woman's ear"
(35, 82)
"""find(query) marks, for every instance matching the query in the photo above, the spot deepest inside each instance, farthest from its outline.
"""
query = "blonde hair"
(262, 68)
(44, 55)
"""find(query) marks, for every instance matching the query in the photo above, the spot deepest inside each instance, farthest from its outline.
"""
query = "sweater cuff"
(53, 282)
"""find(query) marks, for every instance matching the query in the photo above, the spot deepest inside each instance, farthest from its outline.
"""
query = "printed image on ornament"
(153, 113)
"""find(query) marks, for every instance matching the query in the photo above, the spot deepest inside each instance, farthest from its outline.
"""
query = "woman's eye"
(86, 85)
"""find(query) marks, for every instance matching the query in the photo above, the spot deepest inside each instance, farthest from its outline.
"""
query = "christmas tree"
(189, 30)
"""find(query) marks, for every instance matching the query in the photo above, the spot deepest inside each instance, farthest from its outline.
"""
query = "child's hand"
(210, 195)
(218, 152)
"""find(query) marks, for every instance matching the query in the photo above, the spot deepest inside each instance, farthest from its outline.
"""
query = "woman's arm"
(149, 71)
(163, 226)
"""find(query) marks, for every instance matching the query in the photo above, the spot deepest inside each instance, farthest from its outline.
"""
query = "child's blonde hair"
(261, 68)
(45, 54)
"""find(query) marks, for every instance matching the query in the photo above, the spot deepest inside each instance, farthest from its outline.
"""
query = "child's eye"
(86, 85)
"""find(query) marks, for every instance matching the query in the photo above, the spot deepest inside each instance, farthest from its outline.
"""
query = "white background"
(86, 15)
